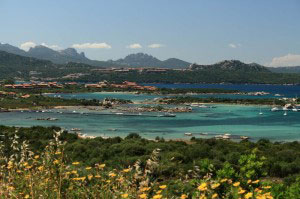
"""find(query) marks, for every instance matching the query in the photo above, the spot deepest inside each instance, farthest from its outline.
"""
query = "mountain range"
(71, 55)
(58, 57)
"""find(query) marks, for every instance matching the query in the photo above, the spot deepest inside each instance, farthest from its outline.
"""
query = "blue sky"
(201, 31)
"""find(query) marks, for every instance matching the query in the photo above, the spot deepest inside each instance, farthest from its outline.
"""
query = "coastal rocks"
(158, 109)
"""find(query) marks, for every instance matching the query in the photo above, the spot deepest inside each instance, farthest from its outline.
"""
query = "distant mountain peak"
(234, 65)
(146, 60)
(72, 52)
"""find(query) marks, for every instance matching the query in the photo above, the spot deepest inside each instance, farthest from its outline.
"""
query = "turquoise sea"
(232, 119)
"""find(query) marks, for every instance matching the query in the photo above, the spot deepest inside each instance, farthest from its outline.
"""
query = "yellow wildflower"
(57, 153)
(236, 184)
(90, 177)
(202, 187)
(248, 195)
(203, 197)
(41, 168)
(97, 176)
(101, 165)
(74, 172)
(255, 182)
(267, 187)
(249, 181)
(159, 192)
(36, 157)
(214, 196)
(75, 163)
(241, 191)
(145, 189)
(126, 170)
(56, 161)
(143, 196)
(88, 168)
(223, 180)
(112, 175)
(163, 186)
(157, 196)
(183, 196)
(27, 196)
(214, 186)
(125, 195)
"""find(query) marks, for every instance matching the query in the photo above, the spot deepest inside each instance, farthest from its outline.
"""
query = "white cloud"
(54, 47)
(232, 45)
(155, 46)
(134, 46)
(27, 45)
(92, 45)
(286, 60)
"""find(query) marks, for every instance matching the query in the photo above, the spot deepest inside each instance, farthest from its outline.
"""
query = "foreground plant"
(25, 174)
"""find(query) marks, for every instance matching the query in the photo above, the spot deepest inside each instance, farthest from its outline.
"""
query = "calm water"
(236, 120)
(285, 90)
(233, 119)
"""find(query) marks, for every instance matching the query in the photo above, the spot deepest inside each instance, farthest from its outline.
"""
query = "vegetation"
(36, 164)
(80, 88)
(39, 101)
(188, 99)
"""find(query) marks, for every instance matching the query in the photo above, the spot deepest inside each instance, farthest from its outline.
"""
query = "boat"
(285, 113)
(119, 113)
(244, 138)
(203, 106)
(295, 109)
(52, 119)
(188, 134)
(167, 115)
(75, 129)
(227, 134)
(260, 113)
(225, 137)
(218, 136)
(275, 109)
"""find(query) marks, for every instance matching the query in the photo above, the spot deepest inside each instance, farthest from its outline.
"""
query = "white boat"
(275, 109)
(188, 134)
(227, 134)
(119, 113)
(75, 129)
(260, 113)
(203, 106)
(225, 137)
(285, 113)
(295, 109)
(244, 138)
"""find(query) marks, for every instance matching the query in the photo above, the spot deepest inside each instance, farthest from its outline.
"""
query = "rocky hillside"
(231, 65)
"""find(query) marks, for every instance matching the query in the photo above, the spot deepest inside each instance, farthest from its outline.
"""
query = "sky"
(198, 31)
